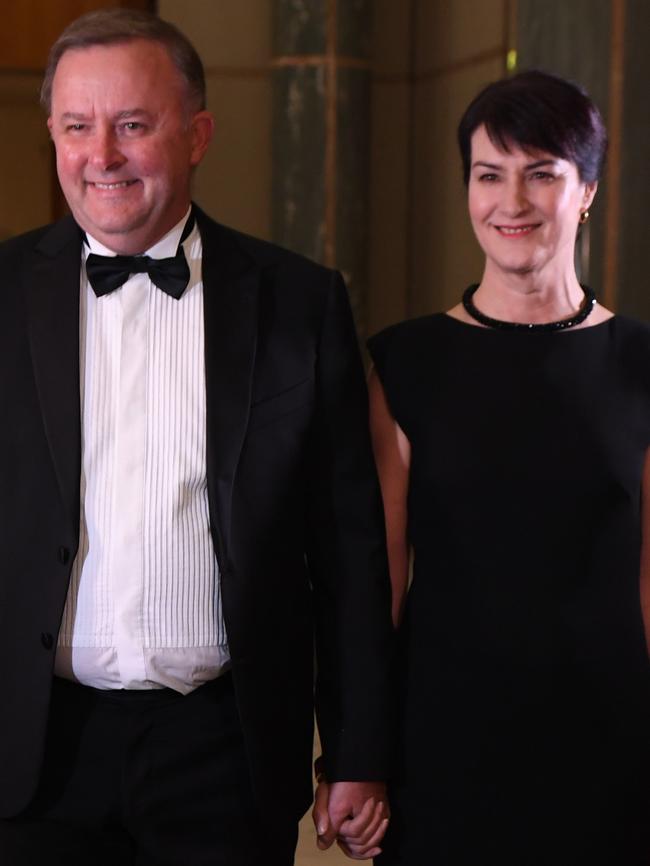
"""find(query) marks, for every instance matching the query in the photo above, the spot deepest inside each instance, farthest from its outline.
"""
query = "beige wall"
(233, 38)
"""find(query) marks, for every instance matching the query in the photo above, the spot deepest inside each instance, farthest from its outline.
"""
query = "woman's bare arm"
(393, 456)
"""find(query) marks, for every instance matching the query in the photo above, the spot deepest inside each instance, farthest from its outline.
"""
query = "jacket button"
(64, 555)
(47, 640)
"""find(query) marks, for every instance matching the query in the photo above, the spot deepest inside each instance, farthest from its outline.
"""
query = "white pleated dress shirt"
(143, 608)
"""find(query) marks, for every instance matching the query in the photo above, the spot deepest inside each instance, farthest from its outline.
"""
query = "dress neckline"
(531, 335)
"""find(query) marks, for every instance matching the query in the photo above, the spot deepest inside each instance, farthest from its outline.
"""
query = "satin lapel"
(230, 292)
(52, 288)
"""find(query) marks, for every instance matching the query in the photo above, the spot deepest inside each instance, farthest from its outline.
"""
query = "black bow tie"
(171, 275)
(107, 273)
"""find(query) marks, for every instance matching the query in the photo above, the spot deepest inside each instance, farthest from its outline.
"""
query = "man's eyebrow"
(131, 112)
(127, 112)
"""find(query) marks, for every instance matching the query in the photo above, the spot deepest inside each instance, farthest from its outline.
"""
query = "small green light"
(511, 60)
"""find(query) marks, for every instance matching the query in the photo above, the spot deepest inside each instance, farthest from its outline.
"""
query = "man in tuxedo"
(188, 503)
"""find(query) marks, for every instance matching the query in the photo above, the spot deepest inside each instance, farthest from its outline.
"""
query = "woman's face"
(524, 206)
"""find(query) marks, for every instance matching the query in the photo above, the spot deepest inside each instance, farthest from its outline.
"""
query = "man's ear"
(202, 126)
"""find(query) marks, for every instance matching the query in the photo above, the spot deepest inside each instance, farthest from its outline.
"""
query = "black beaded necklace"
(587, 306)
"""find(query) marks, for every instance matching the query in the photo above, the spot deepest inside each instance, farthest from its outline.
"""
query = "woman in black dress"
(511, 436)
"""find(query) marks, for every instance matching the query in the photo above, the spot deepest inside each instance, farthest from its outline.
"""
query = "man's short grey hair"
(114, 26)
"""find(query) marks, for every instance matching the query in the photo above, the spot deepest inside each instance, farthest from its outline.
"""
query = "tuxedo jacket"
(295, 511)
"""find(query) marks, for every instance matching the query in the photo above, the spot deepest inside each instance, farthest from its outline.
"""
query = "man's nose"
(105, 151)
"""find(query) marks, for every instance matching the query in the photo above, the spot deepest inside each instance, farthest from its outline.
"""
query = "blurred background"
(335, 135)
(336, 130)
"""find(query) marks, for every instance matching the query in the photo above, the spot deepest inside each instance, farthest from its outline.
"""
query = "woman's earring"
(584, 216)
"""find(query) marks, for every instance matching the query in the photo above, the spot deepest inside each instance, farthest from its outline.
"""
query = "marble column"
(321, 122)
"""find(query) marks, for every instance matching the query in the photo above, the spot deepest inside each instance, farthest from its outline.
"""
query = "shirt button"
(64, 555)
(47, 640)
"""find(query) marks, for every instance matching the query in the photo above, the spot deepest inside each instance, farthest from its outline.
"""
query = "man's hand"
(355, 814)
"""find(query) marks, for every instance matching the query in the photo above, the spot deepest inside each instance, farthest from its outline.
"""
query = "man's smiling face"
(126, 139)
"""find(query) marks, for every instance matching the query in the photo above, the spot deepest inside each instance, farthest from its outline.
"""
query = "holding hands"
(354, 814)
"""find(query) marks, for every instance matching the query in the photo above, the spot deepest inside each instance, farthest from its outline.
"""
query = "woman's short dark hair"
(535, 110)
(114, 26)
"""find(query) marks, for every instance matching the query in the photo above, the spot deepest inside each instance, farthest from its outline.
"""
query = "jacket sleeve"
(347, 560)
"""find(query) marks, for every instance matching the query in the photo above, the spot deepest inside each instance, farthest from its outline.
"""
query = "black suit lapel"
(230, 291)
(52, 289)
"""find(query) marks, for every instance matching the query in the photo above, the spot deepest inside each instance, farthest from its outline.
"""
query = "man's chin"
(109, 229)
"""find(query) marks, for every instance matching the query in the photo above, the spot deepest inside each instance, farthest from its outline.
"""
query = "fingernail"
(322, 828)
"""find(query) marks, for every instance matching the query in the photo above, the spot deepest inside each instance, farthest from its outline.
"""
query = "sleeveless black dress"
(523, 676)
